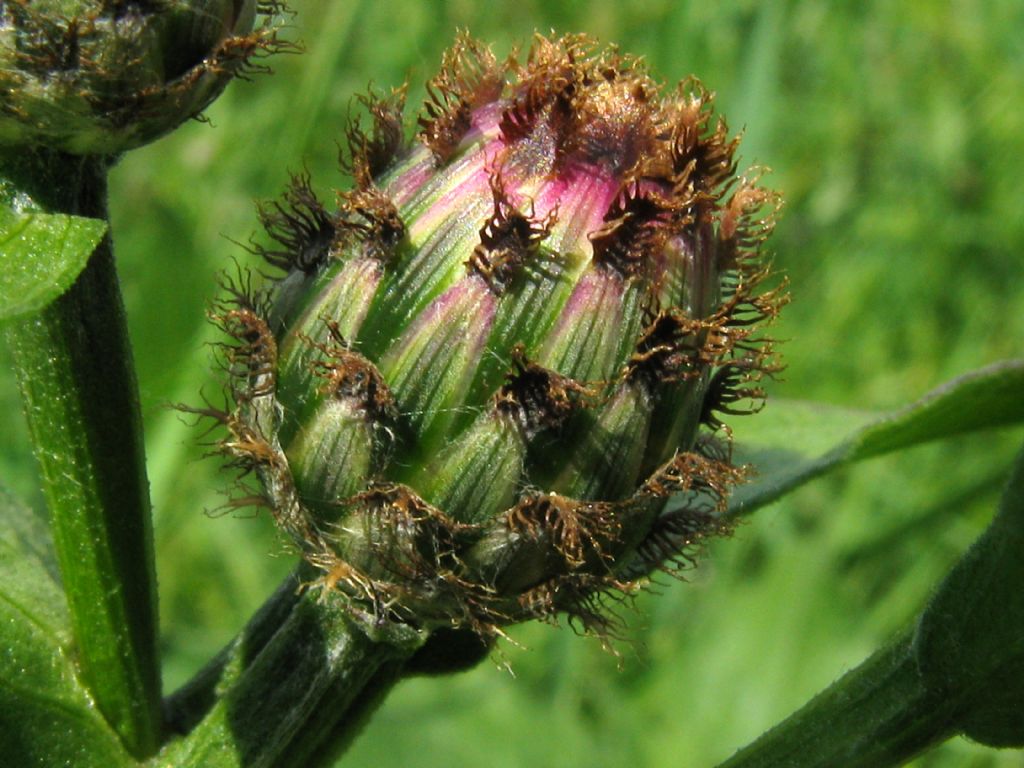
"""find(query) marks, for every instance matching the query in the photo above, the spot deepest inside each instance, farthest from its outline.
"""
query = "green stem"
(331, 731)
(288, 699)
(186, 707)
(875, 716)
(74, 367)
(331, 728)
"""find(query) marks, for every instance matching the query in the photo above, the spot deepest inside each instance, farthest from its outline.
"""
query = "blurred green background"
(895, 132)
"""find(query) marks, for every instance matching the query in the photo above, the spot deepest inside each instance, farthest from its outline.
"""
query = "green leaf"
(46, 716)
(879, 714)
(960, 671)
(794, 442)
(40, 257)
(970, 640)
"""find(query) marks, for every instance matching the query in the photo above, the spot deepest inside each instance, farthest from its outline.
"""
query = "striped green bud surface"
(104, 76)
(477, 383)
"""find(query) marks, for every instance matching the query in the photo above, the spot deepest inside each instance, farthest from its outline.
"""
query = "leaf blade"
(809, 440)
(47, 718)
(970, 639)
(40, 257)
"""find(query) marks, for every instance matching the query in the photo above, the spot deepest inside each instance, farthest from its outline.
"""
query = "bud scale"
(478, 382)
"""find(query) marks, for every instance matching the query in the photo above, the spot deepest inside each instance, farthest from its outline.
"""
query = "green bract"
(103, 76)
(477, 383)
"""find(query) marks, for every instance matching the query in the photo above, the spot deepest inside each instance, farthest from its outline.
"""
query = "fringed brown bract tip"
(508, 238)
(300, 225)
(370, 153)
(568, 223)
(470, 75)
(537, 398)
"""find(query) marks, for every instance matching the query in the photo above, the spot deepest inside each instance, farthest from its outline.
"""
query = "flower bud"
(104, 76)
(478, 382)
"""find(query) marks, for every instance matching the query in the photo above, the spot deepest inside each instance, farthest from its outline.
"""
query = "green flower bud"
(104, 76)
(477, 384)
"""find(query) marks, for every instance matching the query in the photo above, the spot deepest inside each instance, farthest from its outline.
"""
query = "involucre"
(477, 383)
(104, 76)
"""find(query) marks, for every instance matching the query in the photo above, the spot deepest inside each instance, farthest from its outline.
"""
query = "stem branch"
(291, 697)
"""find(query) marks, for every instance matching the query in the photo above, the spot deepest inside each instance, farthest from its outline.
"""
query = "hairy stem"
(331, 727)
(186, 707)
(288, 697)
(877, 715)
(76, 375)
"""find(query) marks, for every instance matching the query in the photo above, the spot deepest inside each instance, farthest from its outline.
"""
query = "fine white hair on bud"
(474, 386)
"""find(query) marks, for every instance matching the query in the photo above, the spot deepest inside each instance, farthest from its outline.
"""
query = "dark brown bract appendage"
(476, 385)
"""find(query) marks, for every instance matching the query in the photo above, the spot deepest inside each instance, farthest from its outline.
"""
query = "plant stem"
(877, 715)
(326, 736)
(292, 697)
(333, 726)
(186, 707)
(75, 372)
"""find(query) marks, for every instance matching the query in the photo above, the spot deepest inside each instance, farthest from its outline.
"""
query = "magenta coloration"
(477, 383)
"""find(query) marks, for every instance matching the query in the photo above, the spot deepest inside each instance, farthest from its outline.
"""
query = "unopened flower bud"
(104, 76)
(478, 382)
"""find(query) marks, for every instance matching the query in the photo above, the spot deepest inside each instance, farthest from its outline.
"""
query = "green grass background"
(895, 132)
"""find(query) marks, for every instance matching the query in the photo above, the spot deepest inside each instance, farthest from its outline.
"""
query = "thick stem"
(77, 380)
(332, 727)
(287, 699)
(878, 715)
(328, 735)
(186, 707)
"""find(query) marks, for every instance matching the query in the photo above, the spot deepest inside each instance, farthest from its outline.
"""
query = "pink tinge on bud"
(561, 292)
(419, 181)
(581, 195)
(597, 324)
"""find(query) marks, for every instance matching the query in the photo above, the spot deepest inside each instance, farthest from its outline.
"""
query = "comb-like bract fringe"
(475, 387)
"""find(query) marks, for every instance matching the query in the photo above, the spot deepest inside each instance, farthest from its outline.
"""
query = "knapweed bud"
(479, 380)
(104, 76)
